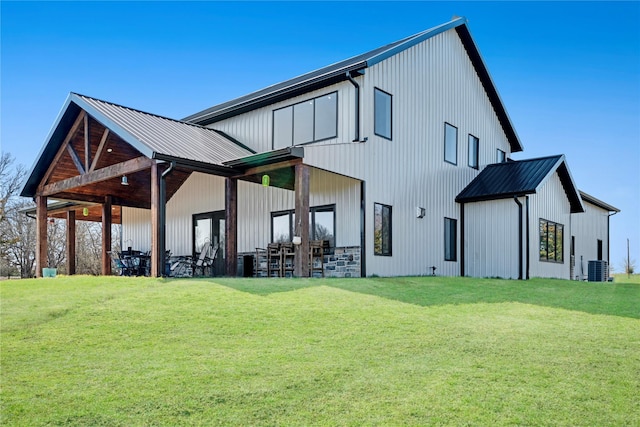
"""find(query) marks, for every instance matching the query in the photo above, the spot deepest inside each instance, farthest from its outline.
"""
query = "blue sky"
(568, 73)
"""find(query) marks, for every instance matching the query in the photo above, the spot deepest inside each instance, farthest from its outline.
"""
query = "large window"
(474, 148)
(450, 144)
(551, 241)
(308, 121)
(450, 239)
(382, 113)
(322, 225)
(381, 229)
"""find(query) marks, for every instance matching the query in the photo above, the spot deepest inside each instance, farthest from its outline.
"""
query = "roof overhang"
(597, 202)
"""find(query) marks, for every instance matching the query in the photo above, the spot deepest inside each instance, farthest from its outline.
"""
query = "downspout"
(162, 241)
(608, 239)
(528, 242)
(515, 199)
(462, 240)
(357, 90)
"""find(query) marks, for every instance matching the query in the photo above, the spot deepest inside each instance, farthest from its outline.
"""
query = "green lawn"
(403, 351)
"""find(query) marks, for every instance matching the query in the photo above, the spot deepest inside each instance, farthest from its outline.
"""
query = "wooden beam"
(268, 168)
(113, 171)
(231, 226)
(106, 236)
(76, 159)
(87, 143)
(301, 228)
(103, 141)
(71, 242)
(62, 148)
(41, 235)
(157, 261)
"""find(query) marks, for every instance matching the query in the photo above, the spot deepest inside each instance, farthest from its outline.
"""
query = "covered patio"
(100, 156)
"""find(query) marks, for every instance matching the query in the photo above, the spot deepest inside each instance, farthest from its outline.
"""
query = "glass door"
(209, 234)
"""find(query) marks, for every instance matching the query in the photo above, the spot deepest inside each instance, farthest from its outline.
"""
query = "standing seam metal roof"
(517, 178)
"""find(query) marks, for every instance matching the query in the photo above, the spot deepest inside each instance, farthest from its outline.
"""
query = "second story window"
(450, 144)
(382, 113)
(309, 121)
(474, 148)
(501, 157)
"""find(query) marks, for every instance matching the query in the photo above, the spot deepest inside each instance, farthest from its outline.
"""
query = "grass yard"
(87, 351)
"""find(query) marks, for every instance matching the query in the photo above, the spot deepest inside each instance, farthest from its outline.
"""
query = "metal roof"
(152, 135)
(338, 71)
(518, 178)
(597, 202)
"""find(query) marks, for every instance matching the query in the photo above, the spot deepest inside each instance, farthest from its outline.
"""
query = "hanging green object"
(265, 180)
(85, 211)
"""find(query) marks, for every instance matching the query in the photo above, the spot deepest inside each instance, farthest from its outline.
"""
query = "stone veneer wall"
(345, 262)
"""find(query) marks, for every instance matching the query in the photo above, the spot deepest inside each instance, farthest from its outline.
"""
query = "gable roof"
(597, 202)
(338, 72)
(154, 136)
(518, 178)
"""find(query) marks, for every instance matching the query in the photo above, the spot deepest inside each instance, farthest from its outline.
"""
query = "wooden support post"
(71, 242)
(157, 259)
(301, 228)
(106, 236)
(41, 234)
(231, 226)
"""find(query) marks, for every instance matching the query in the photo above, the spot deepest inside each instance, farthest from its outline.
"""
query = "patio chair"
(204, 261)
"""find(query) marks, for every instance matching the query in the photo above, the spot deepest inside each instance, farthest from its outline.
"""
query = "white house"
(399, 158)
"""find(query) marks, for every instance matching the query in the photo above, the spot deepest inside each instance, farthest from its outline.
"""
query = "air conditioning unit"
(598, 271)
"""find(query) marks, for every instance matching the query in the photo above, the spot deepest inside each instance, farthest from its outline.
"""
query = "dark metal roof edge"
(489, 87)
(197, 166)
(487, 198)
(267, 157)
(416, 39)
(232, 139)
(597, 202)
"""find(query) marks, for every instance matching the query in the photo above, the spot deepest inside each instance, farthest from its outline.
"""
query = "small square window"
(501, 156)
(450, 144)
(382, 113)
(474, 148)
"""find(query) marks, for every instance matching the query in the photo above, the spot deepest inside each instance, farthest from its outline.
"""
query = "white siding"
(491, 239)
(588, 227)
(549, 203)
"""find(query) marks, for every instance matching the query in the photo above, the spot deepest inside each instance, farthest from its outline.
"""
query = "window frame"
(451, 239)
(455, 162)
(545, 248)
(381, 251)
(375, 115)
(312, 221)
(293, 121)
(476, 143)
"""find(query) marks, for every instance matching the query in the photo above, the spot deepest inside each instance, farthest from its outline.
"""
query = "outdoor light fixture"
(85, 212)
(297, 240)
(124, 181)
(265, 180)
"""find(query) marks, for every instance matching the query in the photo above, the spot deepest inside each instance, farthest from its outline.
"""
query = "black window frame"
(501, 156)
(381, 250)
(375, 110)
(450, 239)
(544, 242)
(312, 212)
(293, 121)
(476, 142)
(445, 144)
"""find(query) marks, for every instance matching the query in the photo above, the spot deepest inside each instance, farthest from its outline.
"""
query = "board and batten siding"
(492, 239)
(588, 227)
(203, 193)
(431, 83)
(550, 203)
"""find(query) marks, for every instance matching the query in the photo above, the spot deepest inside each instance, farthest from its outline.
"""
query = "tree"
(19, 238)
(629, 265)
(10, 181)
